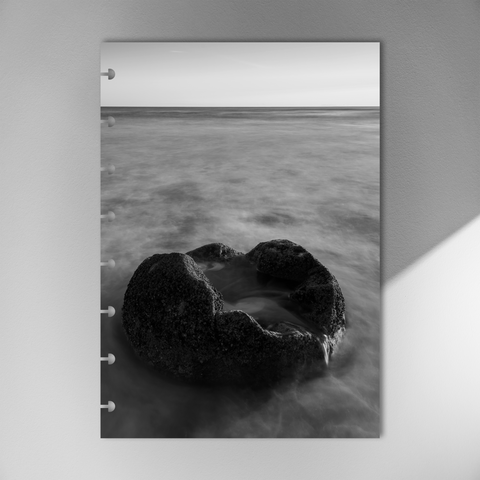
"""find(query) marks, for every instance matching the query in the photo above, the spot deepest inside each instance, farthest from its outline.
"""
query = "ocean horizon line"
(372, 107)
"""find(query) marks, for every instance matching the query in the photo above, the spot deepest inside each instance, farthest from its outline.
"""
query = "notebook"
(240, 240)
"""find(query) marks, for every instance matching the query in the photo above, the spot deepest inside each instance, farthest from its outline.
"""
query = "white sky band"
(252, 74)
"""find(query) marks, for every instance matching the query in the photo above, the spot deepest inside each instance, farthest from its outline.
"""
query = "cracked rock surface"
(178, 321)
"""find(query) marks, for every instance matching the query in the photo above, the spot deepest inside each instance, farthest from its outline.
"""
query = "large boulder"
(176, 321)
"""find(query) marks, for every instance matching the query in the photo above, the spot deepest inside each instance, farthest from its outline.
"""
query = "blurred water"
(187, 177)
(264, 297)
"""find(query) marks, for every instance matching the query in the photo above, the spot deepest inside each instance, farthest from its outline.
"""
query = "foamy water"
(188, 177)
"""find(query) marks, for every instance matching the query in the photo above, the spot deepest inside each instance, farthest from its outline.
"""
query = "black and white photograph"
(241, 240)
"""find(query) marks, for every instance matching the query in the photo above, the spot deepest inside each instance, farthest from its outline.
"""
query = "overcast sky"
(241, 74)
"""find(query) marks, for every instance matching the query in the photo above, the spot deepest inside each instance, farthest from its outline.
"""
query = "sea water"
(186, 177)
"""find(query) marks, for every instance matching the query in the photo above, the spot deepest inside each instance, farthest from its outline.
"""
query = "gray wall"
(50, 237)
